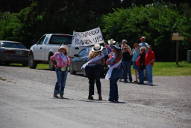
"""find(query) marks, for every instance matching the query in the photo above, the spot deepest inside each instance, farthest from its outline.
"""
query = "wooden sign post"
(177, 37)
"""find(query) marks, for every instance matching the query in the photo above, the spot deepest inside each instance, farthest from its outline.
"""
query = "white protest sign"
(87, 38)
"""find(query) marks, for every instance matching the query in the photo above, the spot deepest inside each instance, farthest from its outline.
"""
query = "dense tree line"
(27, 20)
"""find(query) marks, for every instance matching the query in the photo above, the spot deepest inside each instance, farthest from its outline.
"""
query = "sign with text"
(87, 38)
(177, 36)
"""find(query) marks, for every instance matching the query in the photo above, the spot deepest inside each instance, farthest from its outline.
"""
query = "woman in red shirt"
(149, 61)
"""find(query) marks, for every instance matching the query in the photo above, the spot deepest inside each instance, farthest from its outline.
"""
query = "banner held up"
(87, 38)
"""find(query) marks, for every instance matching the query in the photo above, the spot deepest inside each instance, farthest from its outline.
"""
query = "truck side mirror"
(76, 55)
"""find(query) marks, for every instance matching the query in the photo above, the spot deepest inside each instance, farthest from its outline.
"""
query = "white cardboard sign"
(87, 38)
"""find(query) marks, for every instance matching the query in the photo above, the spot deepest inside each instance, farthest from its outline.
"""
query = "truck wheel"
(25, 64)
(51, 66)
(32, 64)
(72, 71)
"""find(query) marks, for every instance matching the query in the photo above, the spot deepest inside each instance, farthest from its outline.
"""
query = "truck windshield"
(61, 39)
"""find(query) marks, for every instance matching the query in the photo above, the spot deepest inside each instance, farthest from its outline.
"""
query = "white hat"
(97, 48)
(111, 41)
(143, 47)
(142, 38)
(63, 47)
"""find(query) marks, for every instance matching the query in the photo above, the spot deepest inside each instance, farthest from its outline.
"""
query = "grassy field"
(171, 69)
(159, 69)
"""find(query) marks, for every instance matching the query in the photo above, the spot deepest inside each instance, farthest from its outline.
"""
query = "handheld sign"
(87, 38)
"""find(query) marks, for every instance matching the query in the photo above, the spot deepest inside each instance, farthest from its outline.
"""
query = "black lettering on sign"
(98, 39)
(87, 42)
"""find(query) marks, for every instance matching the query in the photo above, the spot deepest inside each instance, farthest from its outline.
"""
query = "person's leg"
(141, 76)
(135, 67)
(57, 85)
(136, 75)
(91, 80)
(98, 84)
(129, 71)
(112, 90)
(124, 67)
(116, 96)
(63, 82)
(149, 74)
(91, 88)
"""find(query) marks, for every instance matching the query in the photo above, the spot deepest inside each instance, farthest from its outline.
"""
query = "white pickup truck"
(46, 46)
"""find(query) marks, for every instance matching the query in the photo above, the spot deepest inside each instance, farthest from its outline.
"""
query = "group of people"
(118, 58)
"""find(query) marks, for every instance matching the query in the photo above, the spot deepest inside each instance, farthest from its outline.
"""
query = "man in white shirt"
(143, 43)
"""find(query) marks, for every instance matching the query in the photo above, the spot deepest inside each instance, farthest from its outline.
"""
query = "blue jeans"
(61, 81)
(141, 76)
(113, 93)
(149, 74)
(126, 66)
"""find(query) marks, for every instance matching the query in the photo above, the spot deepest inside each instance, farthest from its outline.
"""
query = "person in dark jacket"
(94, 70)
(126, 61)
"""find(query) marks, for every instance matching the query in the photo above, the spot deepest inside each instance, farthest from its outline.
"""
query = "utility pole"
(177, 37)
(177, 52)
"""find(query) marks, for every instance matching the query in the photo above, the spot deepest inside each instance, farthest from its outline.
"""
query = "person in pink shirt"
(61, 62)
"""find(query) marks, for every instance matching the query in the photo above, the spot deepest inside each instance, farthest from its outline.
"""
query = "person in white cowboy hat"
(61, 63)
(109, 44)
(94, 69)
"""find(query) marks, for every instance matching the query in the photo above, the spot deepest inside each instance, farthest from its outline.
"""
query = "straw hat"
(62, 48)
(97, 48)
(143, 48)
(111, 42)
(142, 38)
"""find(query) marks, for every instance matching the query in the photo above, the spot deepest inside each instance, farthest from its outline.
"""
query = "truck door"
(38, 50)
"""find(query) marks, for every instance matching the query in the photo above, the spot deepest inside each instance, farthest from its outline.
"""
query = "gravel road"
(26, 102)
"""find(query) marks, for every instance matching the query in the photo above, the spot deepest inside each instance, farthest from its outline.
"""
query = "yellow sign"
(176, 36)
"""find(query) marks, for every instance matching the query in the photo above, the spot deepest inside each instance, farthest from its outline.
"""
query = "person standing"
(126, 61)
(115, 72)
(140, 62)
(93, 69)
(143, 43)
(109, 44)
(149, 62)
(135, 52)
(61, 62)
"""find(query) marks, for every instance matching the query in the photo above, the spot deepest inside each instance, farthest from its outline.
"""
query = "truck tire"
(51, 66)
(71, 70)
(32, 64)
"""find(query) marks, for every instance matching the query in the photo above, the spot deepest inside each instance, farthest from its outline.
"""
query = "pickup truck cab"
(46, 46)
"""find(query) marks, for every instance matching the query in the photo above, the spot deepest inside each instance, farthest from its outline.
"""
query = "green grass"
(43, 66)
(171, 69)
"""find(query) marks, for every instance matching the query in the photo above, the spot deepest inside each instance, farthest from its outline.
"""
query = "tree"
(149, 21)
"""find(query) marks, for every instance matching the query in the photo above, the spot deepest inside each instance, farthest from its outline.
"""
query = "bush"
(157, 23)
